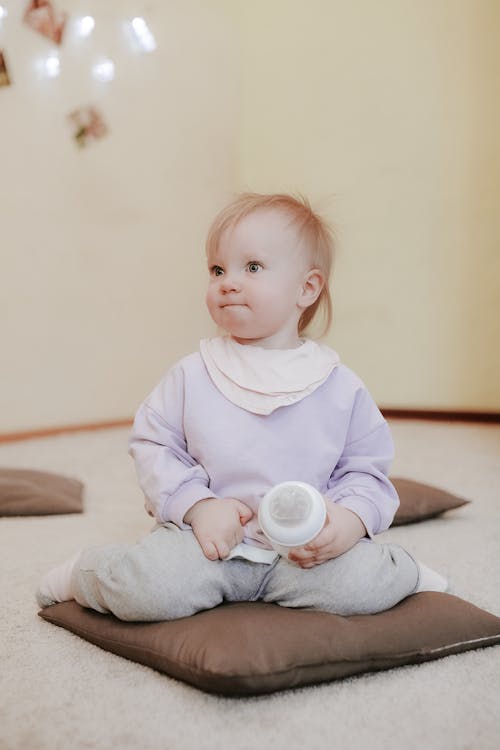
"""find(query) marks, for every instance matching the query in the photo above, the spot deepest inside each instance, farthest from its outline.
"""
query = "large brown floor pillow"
(419, 501)
(27, 492)
(252, 647)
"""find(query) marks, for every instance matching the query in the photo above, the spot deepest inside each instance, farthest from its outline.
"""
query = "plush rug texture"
(59, 692)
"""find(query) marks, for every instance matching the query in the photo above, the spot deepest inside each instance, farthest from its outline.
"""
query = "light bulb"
(104, 70)
(50, 66)
(86, 25)
(142, 34)
(139, 25)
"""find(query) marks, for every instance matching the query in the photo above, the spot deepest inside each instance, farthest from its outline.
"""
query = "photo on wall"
(88, 124)
(43, 17)
(4, 73)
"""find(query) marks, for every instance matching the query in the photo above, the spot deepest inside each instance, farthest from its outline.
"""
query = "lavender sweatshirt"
(189, 442)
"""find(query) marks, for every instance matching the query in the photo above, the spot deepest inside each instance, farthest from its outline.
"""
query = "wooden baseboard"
(389, 413)
(11, 437)
(441, 416)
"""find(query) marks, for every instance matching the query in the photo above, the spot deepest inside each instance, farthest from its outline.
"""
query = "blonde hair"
(311, 229)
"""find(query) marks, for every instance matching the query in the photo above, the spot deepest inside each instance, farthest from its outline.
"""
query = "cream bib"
(261, 380)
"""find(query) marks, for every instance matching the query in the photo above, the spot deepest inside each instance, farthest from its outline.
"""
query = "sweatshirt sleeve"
(172, 481)
(360, 481)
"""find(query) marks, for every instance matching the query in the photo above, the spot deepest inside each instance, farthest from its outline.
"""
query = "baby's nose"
(229, 283)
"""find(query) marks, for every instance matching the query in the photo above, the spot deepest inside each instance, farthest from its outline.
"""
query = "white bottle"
(291, 514)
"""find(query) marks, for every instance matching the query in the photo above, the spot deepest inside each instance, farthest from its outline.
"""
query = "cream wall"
(388, 115)
(385, 114)
(102, 275)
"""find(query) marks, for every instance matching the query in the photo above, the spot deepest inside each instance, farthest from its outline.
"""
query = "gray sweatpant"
(166, 576)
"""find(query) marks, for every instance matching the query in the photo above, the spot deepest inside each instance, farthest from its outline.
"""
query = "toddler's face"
(256, 287)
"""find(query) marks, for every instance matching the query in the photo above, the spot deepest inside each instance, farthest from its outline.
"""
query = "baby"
(259, 405)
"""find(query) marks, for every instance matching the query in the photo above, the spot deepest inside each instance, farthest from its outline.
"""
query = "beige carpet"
(60, 692)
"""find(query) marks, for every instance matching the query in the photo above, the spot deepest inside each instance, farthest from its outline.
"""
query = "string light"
(49, 66)
(3, 12)
(142, 34)
(104, 70)
(85, 26)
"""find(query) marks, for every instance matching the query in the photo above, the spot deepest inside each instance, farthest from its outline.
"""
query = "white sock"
(429, 580)
(55, 585)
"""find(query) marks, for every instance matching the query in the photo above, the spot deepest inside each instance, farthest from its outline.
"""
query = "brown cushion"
(25, 492)
(253, 647)
(420, 501)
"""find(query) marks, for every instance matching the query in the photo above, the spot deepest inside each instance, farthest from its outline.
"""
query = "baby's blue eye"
(254, 267)
(217, 270)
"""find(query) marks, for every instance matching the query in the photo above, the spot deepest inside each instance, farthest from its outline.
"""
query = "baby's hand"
(218, 524)
(341, 531)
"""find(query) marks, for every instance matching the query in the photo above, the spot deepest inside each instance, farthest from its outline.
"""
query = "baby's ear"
(311, 288)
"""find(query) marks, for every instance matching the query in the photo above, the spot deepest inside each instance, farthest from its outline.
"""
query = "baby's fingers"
(209, 549)
(217, 549)
(312, 560)
(324, 539)
(223, 550)
(245, 513)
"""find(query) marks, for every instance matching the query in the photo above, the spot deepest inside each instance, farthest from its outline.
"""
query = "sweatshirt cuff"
(363, 508)
(177, 506)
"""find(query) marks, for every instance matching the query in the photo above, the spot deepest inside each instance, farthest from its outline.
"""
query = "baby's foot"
(429, 580)
(55, 585)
